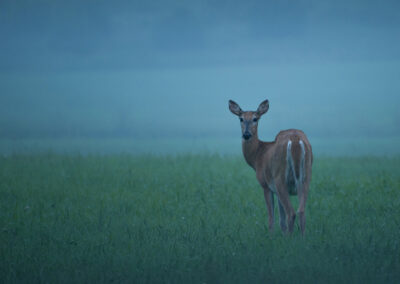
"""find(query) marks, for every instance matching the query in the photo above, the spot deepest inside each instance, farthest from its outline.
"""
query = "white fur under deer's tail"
(295, 163)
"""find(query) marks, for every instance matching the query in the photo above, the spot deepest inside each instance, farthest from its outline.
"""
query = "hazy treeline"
(168, 68)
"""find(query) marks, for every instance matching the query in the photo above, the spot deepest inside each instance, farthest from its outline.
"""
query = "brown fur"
(269, 161)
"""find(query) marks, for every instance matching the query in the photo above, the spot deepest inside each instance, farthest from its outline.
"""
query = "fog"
(166, 69)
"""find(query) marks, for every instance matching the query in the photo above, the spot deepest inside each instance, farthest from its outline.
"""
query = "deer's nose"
(246, 135)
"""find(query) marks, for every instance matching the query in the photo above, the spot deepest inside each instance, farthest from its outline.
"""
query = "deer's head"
(248, 119)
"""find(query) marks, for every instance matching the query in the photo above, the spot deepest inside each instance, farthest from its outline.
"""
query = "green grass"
(192, 219)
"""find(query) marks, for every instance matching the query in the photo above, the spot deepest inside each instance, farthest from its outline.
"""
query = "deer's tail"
(295, 162)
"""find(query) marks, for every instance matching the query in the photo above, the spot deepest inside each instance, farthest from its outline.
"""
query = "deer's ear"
(235, 108)
(263, 108)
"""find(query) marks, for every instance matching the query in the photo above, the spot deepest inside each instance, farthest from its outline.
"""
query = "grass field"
(192, 219)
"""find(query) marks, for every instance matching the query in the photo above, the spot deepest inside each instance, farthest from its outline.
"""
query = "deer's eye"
(255, 119)
(241, 119)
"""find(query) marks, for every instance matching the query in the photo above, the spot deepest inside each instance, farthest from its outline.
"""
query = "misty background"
(166, 69)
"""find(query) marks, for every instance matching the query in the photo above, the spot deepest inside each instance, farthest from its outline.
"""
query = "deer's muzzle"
(246, 135)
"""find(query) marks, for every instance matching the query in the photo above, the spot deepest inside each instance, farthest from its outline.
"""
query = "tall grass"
(192, 218)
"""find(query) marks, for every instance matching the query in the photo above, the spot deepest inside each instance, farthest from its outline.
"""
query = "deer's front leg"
(269, 200)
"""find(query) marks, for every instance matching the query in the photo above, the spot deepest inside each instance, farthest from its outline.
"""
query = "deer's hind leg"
(282, 217)
(284, 200)
(302, 190)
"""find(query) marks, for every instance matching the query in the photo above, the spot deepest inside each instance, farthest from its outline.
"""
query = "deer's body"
(283, 167)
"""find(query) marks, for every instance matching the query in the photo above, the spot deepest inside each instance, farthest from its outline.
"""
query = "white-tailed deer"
(282, 167)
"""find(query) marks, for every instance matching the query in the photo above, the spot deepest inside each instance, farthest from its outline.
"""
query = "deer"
(283, 166)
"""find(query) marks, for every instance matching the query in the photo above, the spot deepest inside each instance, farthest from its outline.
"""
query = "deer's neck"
(250, 148)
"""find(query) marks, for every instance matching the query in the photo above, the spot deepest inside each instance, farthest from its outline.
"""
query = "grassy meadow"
(192, 218)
